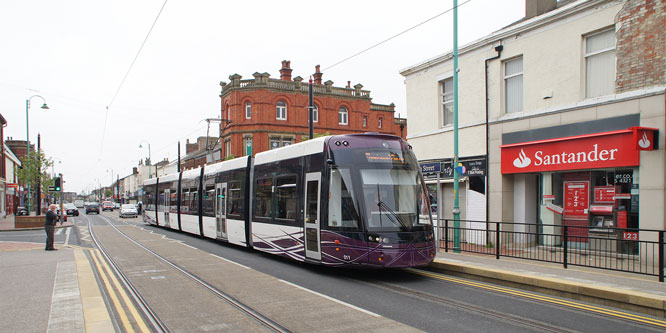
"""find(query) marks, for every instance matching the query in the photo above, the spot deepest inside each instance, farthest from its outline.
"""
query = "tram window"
(173, 201)
(209, 201)
(341, 204)
(235, 204)
(286, 198)
(193, 202)
(184, 201)
(264, 197)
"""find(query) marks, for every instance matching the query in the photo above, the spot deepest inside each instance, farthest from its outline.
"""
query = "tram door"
(311, 227)
(167, 207)
(221, 210)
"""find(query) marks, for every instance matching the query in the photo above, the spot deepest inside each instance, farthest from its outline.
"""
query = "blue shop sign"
(427, 168)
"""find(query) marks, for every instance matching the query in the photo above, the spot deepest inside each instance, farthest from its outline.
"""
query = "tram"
(342, 200)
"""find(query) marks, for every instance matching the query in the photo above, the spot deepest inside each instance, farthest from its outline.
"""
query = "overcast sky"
(76, 53)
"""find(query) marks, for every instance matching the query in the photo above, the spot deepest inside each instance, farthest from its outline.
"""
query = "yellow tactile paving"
(95, 313)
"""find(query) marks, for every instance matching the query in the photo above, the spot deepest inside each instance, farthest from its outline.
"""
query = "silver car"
(128, 210)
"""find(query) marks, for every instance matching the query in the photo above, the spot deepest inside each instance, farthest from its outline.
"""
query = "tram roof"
(236, 163)
(292, 151)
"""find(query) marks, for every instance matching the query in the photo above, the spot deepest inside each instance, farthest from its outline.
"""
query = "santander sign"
(599, 150)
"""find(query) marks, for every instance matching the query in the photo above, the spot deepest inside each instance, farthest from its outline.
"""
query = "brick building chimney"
(317, 75)
(285, 71)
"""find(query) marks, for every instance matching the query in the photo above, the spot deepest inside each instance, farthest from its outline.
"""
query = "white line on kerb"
(229, 261)
(332, 299)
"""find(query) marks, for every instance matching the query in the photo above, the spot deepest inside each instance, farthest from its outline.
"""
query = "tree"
(108, 193)
(31, 165)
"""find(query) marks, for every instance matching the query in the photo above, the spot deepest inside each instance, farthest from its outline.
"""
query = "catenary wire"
(392, 37)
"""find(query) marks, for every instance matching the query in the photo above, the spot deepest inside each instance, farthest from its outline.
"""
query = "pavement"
(65, 294)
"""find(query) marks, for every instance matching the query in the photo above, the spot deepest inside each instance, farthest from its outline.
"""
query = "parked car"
(107, 205)
(128, 210)
(71, 210)
(22, 211)
(92, 207)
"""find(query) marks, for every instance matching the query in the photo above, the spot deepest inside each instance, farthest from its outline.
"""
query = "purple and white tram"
(355, 199)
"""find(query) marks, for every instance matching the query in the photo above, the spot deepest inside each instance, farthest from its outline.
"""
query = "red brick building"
(263, 113)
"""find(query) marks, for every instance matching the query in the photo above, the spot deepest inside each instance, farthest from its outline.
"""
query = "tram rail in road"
(154, 319)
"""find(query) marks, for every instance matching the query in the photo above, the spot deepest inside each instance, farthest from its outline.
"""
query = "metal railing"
(639, 251)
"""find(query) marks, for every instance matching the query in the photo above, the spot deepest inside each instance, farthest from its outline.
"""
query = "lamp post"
(150, 173)
(112, 199)
(27, 137)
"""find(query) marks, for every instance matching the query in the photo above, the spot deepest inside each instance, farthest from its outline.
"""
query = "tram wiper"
(392, 214)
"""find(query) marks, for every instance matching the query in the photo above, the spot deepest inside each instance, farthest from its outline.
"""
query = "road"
(339, 299)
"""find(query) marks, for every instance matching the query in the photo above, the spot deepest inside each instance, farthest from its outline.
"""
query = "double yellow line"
(118, 295)
(552, 300)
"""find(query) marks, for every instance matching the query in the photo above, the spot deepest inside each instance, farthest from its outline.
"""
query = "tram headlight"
(385, 240)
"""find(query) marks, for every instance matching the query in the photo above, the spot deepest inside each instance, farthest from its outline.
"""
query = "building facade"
(263, 113)
(564, 112)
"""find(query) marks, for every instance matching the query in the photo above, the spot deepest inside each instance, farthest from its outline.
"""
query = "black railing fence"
(638, 251)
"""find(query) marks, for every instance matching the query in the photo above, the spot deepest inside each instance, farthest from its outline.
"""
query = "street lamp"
(112, 199)
(150, 173)
(27, 137)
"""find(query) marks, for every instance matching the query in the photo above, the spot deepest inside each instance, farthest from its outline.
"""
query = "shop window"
(600, 63)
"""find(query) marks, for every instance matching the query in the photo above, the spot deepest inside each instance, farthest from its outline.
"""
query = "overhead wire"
(106, 116)
(392, 37)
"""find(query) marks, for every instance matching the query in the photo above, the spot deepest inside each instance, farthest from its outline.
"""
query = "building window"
(365, 121)
(315, 114)
(247, 145)
(379, 123)
(447, 102)
(281, 110)
(513, 85)
(600, 64)
(227, 147)
(248, 110)
(277, 142)
(343, 116)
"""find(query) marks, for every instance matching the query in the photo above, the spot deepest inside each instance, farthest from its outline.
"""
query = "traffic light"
(58, 183)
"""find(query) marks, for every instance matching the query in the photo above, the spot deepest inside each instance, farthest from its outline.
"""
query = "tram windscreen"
(391, 199)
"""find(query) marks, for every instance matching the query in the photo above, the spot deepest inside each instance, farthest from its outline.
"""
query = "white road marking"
(69, 231)
(60, 231)
(229, 261)
(332, 299)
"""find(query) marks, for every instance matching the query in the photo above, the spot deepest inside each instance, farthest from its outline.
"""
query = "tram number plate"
(630, 235)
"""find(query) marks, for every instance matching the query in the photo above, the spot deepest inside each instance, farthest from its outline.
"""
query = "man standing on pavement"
(49, 226)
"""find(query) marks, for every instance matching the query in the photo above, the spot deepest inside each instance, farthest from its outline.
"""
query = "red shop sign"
(590, 151)
(576, 200)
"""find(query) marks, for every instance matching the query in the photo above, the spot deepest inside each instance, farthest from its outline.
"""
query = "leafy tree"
(108, 193)
(315, 135)
(31, 165)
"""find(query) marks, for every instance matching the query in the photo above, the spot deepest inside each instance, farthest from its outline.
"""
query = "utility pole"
(456, 175)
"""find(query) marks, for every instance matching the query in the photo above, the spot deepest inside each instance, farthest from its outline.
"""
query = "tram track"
(156, 323)
(478, 310)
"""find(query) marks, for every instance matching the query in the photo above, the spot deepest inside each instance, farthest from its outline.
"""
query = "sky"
(77, 56)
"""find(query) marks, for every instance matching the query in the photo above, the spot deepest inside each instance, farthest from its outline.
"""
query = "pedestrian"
(49, 226)
(139, 207)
